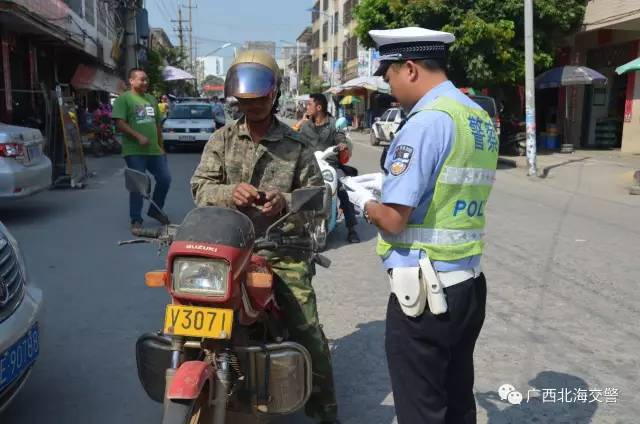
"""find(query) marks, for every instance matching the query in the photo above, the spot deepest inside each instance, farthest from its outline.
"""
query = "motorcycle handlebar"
(298, 242)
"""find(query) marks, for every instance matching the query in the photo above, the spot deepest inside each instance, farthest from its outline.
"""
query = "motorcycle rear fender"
(189, 380)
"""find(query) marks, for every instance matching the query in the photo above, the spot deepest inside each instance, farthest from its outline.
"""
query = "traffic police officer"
(440, 169)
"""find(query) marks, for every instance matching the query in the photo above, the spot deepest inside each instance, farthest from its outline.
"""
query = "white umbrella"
(171, 73)
(369, 83)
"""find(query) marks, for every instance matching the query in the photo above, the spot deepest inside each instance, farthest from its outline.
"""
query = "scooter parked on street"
(224, 353)
(330, 176)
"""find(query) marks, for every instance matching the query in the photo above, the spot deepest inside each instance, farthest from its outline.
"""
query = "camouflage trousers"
(297, 298)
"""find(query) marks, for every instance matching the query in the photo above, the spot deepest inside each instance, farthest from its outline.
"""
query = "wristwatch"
(365, 213)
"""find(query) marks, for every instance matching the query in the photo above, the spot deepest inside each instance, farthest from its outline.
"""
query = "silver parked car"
(24, 168)
(20, 308)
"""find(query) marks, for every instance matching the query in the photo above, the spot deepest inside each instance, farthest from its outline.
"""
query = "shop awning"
(95, 79)
(634, 65)
(368, 83)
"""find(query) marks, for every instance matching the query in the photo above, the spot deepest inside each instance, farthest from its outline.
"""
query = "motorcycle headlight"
(327, 175)
(197, 276)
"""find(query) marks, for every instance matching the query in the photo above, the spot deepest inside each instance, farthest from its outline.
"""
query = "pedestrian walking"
(441, 166)
(137, 116)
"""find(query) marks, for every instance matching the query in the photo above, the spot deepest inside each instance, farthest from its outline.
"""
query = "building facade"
(84, 44)
(267, 46)
(158, 38)
(609, 115)
(336, 54)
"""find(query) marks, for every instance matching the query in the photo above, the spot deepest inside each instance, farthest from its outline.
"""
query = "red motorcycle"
(223, 352)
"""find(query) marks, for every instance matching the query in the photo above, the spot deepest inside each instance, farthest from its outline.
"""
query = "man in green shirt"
(139, 120)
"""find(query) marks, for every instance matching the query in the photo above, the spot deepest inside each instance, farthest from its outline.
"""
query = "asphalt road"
(561, 265)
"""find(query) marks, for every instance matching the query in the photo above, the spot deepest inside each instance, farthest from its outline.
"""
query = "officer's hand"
(275, 203)
(143, 140)
(358, 195)
(244, 195)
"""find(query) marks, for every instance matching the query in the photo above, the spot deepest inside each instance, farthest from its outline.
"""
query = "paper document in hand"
(368, 182)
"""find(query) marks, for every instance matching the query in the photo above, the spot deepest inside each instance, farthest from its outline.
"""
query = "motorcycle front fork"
(222, 384)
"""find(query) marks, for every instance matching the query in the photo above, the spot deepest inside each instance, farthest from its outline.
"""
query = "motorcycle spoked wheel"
(194, 411)
(97, 149)
(197, 412)
(114, 146)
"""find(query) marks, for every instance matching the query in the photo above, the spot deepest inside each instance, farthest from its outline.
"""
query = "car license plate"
(15, 360)
(187, 138)
(195, 321)
(34, 152)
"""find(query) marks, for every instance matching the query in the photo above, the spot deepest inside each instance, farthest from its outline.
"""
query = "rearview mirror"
(137, 182)
(308, 199)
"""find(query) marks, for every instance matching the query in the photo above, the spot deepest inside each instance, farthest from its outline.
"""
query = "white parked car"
(188, 124)
(20, 311)
(385, 127)
(24, 168)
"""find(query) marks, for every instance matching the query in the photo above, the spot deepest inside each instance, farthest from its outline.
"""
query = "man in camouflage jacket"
(260, 153)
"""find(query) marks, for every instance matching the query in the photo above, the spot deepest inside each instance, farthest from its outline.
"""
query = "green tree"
(213, 80)
(489, 47)
(157, 60)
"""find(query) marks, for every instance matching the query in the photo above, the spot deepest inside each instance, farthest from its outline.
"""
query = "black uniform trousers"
(430, 357)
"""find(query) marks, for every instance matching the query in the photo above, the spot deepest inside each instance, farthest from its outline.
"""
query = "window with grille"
(89, 12)
(336, 22)
(325, 4)
(325, 31)
(351, 48)
(346, 12)
(75, 5)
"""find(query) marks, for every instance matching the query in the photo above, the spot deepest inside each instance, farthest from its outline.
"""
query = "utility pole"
(297, 68)
(191, 53)
(530, 113)
(131, 37)
(180, 30)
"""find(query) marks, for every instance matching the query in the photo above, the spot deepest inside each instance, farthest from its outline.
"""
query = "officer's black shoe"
(353, 236)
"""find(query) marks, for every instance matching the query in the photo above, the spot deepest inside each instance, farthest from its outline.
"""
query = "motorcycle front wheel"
(195, 411)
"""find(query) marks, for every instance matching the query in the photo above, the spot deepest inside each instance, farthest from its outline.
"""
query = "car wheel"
(373, 139)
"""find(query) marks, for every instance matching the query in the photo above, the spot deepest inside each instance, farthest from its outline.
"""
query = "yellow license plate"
(195, 321)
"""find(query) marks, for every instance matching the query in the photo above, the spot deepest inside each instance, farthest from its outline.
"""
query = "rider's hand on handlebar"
(244, 195)
(342, 146)
(275, 203)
